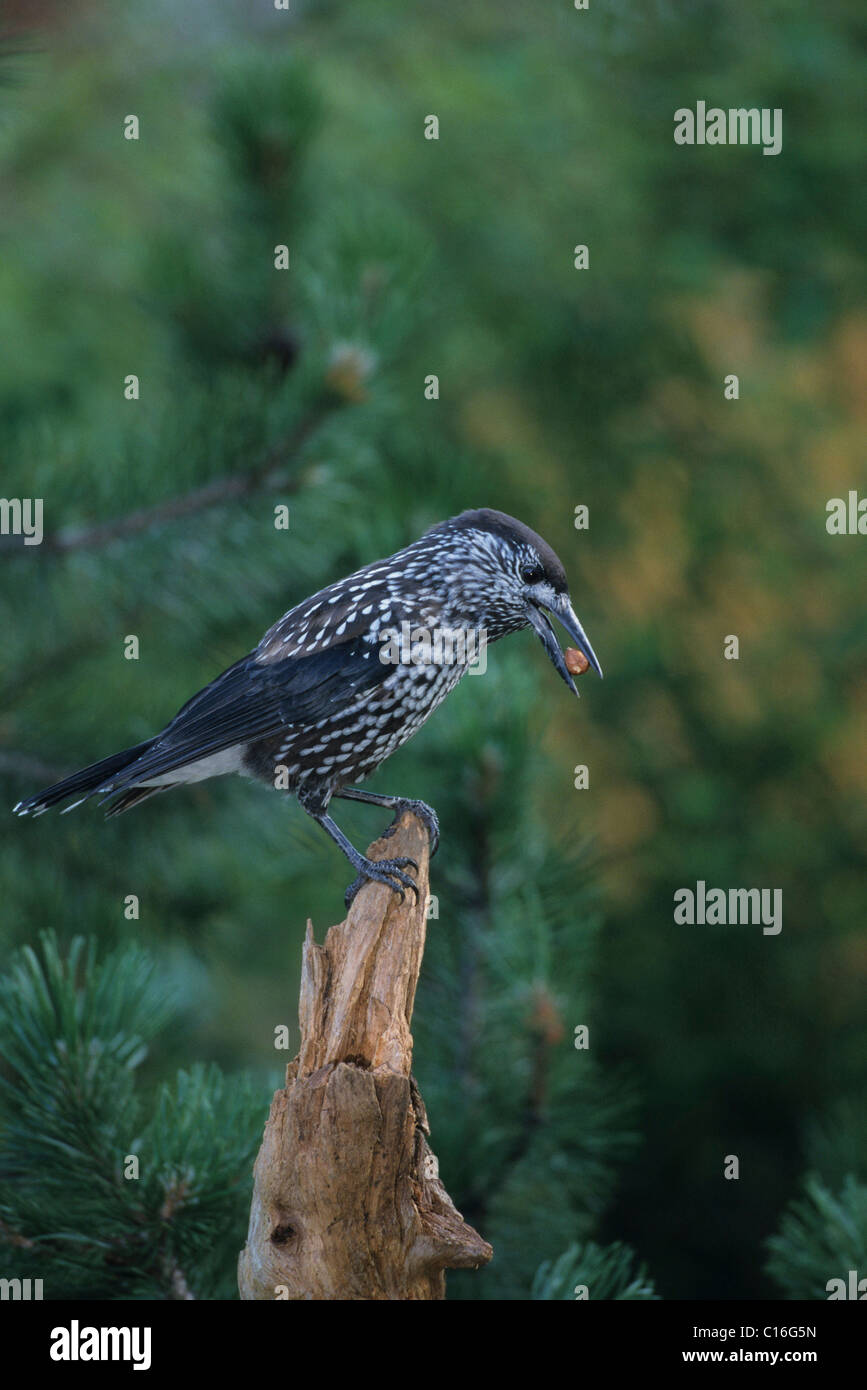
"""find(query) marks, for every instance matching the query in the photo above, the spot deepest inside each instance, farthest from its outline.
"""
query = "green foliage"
(73, 1033)
(822, 1236)
(605, 1271)
(823, 1233)
(558, 387)
(527, 1128)
(837, 1144)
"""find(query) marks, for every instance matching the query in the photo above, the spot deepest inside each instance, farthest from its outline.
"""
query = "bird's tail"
(88, 781)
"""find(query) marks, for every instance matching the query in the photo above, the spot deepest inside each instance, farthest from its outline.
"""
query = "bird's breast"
(349, 743)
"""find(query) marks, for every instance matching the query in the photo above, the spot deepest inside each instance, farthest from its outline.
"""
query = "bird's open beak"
(564, 614)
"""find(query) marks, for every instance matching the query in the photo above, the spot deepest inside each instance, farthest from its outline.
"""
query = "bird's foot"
(388, 871)
(426, 814)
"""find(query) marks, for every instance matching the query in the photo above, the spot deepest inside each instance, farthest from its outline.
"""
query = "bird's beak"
(564, 614)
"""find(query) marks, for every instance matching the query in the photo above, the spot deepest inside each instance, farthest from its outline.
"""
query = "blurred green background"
(558, 387)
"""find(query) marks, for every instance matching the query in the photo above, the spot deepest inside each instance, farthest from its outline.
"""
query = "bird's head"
(505, 577)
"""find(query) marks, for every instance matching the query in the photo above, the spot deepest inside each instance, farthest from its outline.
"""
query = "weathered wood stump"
(347, 1203)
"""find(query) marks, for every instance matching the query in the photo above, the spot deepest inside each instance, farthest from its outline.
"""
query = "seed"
(576, 662)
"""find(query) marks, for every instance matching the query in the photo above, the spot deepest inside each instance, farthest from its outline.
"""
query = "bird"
(345, 677)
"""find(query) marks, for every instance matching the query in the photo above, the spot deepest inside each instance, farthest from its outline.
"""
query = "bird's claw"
(426, 814)
(387, 871)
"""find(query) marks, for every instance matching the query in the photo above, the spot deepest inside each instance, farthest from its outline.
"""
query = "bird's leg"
(388, 871)
(426, 814)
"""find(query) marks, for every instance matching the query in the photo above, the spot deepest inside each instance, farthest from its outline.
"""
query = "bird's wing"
(346, 610)
(251, 701)
(261, 695)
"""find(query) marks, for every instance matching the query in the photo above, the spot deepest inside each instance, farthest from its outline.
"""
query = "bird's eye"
(532, 573)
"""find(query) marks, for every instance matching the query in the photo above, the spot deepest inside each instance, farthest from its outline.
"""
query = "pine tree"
(280, 436)
(107, 1193)
(257, 390)
(607, 1271)
(823, 1233)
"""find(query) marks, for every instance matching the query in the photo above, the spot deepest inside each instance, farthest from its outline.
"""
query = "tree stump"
(347, 1202)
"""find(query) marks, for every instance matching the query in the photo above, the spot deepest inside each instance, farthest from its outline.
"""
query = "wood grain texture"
(346, 1204)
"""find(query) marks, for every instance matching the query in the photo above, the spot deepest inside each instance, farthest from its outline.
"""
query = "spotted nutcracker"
(347, 676)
